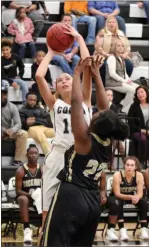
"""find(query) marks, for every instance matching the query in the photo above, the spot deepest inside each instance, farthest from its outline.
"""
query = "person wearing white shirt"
(116, 76)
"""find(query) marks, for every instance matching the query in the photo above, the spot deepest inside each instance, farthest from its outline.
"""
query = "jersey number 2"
(66, 131)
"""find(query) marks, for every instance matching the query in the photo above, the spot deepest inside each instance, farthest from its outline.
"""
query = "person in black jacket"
(139, 123)
(37, 121)
(32, 8)
(10, 63)
(39, 57)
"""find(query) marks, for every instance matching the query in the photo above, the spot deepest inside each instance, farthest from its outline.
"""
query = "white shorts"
(54, 163)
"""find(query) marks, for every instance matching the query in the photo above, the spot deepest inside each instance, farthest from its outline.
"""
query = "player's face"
(119, 47)
(31, 100)
(32, 155)
(111, 24)
(64, 84)
(67, 20)
(130, 166)
(40, 57)
(141, 94)
(6, 51)
(109, 94)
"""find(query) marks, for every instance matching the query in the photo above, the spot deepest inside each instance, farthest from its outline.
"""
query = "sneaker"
(111, 235)
(17, 163)
(123, 235)
(144, 233)
(27, 236)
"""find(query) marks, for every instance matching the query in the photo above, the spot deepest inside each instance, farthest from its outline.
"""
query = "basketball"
(57, 39)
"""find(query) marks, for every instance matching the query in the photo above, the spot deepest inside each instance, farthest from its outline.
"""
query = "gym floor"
(99, 240)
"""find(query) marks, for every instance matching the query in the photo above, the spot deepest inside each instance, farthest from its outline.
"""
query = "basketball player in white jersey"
(61, 104)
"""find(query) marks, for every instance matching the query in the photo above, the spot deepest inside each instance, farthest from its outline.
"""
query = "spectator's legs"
(37, 133)
(38, 21)
(24, 204)
(75, 60)
(100, 22)
(146, 8)
(121, 23)
(32, 48)
(20, 138)
(91, 22)
(49, 132)
(74, 21)
(22, 49)
(23, 87)
(123, 231)
(143, 208)
(129, 89)
(62, 63)
(129, 67)
(35, 89)
(140, 146)
(112, 220)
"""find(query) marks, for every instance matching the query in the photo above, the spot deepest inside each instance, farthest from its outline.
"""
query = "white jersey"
(62, 123)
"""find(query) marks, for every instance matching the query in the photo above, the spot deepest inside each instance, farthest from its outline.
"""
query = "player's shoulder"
(20, 171)
(116, 175)
(139, 175)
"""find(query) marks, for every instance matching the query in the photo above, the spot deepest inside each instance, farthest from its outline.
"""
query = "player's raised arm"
(44, 89)
(101, 97)
(84, 52)
(79, 125)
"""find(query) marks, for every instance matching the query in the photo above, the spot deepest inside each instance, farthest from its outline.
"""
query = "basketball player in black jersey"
(74, 213)
(128, 188)
(28, 179)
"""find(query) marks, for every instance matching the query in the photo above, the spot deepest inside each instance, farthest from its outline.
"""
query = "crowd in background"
(107, 32)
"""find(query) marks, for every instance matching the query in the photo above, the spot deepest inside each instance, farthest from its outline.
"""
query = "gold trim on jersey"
(69, 178)
(98, 139)
(48, 221)
(27, 168)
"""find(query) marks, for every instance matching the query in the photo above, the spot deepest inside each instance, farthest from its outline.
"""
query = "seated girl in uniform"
(128, 186)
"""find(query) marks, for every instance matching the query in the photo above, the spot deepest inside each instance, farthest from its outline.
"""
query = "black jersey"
(128, 188)
(31, 181)
(85, 170)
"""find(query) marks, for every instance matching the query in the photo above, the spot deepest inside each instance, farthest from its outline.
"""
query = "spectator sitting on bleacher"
(116, 76)
(22, 28)
(128, 188)
(32, 10)
(38, 59)
(28, 189)
(37, 122)
(79, 13)
(105, 40)
(102, 10)
(145, 5)
(146, 179)
(11, 127)
(139, 112)
(69, 59)
(112, 106)
(10, 63)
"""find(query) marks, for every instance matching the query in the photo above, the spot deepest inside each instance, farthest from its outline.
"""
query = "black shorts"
(73, 217)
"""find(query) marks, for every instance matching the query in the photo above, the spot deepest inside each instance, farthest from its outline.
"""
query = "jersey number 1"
(66, 131)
